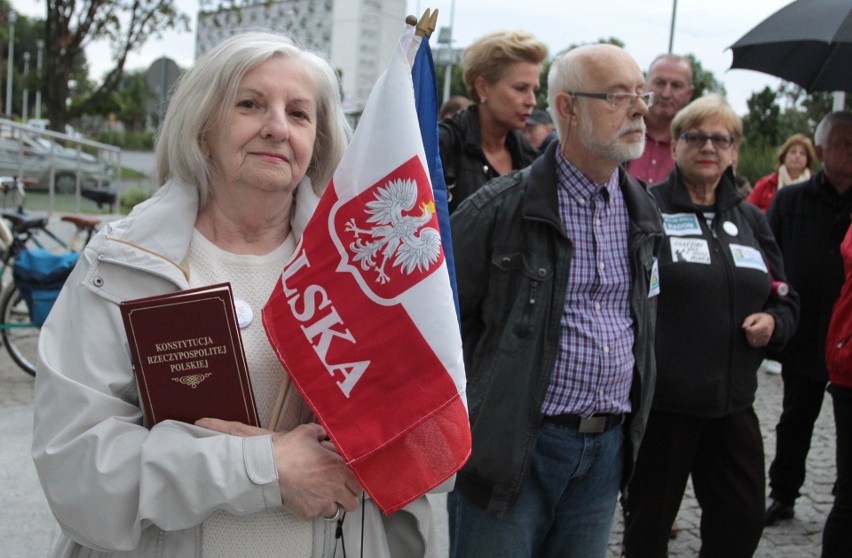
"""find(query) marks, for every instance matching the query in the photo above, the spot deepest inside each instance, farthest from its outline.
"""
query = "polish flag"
(364, 320)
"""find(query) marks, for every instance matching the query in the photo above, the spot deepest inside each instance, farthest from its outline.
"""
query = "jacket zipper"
(729, 283)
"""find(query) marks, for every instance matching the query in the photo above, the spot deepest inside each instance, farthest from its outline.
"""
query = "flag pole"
(278, 406)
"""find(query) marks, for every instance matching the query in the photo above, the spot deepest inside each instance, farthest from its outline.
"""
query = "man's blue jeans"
(566, 504)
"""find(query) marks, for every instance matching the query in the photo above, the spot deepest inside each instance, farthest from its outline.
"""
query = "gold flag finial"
(427, 23)
(411, 20)
(433, 22)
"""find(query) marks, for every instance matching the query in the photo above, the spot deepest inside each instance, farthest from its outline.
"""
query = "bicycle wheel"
(20, 335)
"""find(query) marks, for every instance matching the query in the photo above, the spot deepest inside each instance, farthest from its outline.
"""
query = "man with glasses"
(556, 273)
(670, 79)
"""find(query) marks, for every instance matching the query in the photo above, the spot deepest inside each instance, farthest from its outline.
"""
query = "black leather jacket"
(513, 260)
(466, 169)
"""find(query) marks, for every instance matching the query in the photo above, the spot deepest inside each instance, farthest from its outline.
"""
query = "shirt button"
(597, 222)
(606, 348)
(601, 265)
(597, 305)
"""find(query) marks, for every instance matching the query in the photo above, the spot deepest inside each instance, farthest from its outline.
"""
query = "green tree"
(128, 102)
(70, 25)
(762, 123)
(704, 80)
(457, 86)
(802, 111)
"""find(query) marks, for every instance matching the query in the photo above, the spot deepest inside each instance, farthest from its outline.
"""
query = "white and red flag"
(364, 320)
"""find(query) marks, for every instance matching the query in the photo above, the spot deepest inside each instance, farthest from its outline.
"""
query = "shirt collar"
(579, 186)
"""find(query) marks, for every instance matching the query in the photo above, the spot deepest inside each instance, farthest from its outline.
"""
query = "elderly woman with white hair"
(251, 138)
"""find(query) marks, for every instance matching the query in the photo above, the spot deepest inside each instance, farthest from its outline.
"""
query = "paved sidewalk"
(26, 525)
(800, 537)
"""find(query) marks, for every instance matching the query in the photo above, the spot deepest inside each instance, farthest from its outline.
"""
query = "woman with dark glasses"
(719, 311)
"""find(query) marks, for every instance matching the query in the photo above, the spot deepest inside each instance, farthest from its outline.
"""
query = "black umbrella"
(808, 42)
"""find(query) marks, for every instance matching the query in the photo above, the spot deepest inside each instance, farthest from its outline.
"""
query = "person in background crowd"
(809, 220)
(670, 79)
(743, 185)
(714, 271)
(453, 105)
(795, 158)
(556, 277)
(501, 74)
(539, 130)
(251, 138)
(836, 542)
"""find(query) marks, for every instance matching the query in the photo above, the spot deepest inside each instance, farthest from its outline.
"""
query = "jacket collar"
(162, 226)
(468, 121)
(726, 192)
(825, 190)
(541, 201)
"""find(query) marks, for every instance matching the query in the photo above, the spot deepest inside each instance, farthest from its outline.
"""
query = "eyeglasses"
(697, 140)
(618, 100)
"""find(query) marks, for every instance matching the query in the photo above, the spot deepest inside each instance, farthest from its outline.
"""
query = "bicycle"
(20, 231)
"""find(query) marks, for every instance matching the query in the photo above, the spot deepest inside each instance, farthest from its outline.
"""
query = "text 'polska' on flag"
(364, 320)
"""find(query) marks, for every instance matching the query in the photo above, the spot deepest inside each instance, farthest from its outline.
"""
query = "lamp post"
(449, 72)
(9, 62)
(671, 30)
(26, 105)
(40, 44)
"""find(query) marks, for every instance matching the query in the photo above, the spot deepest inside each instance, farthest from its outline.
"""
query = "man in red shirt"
(670, 78)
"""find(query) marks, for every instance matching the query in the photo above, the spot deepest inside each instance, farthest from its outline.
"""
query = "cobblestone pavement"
(796, 538)
(800, 537)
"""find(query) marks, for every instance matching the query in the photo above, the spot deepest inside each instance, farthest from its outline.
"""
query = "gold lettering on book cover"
(193, 380)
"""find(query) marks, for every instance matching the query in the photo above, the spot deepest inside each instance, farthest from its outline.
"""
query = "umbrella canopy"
(808, 42)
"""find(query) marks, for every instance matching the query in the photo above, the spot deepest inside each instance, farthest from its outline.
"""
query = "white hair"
(206, 93)
(566, 74)
(825, 126)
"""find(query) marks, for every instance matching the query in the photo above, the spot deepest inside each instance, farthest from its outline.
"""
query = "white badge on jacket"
(746, 256)
(654, 283)
(681, 224)
(690, 250)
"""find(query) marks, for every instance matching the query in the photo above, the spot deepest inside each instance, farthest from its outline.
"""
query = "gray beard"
(614, 150)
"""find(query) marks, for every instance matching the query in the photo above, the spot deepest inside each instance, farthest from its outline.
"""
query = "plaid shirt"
(594, 365)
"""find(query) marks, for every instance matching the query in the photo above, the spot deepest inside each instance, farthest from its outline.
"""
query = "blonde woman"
(501, 74)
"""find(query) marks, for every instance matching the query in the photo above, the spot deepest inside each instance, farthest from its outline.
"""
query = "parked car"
(34, 157)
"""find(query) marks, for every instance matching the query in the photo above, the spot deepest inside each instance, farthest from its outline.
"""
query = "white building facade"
(357, 36)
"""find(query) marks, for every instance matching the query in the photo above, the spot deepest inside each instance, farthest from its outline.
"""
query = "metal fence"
(63, 172)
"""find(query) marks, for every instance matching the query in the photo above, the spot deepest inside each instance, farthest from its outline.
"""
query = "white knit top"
(274, 533)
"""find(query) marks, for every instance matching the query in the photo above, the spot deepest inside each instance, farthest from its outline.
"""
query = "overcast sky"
(705, 29)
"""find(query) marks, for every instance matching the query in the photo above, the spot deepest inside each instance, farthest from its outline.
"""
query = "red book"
(188, 356)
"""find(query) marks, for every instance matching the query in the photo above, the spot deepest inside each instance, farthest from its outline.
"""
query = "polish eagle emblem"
(399, 235)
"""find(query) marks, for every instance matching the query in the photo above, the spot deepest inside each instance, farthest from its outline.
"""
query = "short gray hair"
(566, 73)
(675, 58)
(825, 126)
(206, 93)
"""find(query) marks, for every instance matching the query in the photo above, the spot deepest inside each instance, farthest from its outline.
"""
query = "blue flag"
(426, 102)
